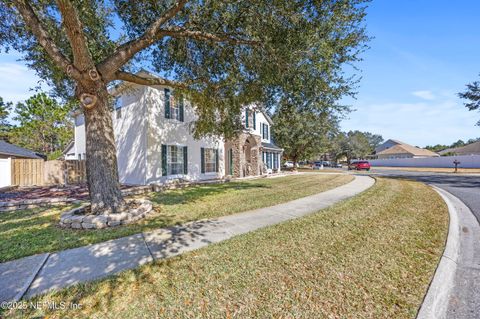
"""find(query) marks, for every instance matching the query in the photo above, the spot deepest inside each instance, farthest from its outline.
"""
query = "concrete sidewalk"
(38, 274)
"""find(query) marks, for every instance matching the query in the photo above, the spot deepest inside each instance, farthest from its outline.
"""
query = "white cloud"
(426, 95)
(17, 81)
(442, 121)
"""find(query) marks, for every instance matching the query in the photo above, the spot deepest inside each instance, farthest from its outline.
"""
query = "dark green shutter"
(266, 131)
(181, 109)
(202, 160)
(185, 160)
(254, 120)
(216, 160)
(164, 160)
(167, 103)
(231, 161)
(246, 118)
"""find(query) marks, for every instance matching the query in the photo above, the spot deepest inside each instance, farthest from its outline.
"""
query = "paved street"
(465, 302)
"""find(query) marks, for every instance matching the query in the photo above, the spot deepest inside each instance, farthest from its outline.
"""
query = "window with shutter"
(167, 103)
(164, 160)
(174, 160)
(181, 109)
(210, 160)
(185, 160)
(202, 160)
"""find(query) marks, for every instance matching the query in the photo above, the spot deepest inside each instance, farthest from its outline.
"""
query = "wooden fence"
(75, 172)
(27, 172)
(36, 172)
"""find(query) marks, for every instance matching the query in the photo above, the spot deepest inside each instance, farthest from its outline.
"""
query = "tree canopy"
(355, 144)
(472, 95)
(4, 122)
(223, 53)
(42, 125)
(303, 133)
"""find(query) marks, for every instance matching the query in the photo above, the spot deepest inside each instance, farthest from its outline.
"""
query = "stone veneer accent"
(74, 218)
(242, 167)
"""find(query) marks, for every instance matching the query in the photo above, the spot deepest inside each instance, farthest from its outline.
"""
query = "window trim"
(214, 157)
(180, 154)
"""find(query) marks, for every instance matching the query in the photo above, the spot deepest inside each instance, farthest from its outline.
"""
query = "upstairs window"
(250, 119)
(173, 109)
(264, 131)
(117, 106)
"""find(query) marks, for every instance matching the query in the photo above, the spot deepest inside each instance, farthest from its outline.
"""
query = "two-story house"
(155, 143)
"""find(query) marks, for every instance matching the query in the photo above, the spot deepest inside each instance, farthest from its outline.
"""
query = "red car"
(359, 165)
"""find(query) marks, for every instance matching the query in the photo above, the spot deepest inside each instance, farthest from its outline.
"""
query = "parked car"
(337, 165)
(317, 165)
(359, 165)
(289, 164)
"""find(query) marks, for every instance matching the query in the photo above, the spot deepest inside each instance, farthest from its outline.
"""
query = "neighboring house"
(154, 140)
(395, 149)
(387, 144)
(8, 150)
(69, 153)
(469, 149)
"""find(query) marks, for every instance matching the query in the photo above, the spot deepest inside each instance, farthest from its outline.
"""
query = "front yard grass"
(372, 256)
(28, 232)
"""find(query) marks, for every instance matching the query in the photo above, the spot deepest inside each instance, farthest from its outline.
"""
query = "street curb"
(435, 302)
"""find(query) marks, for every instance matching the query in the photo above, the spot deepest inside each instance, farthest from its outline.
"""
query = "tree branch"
(133, 78)
(33, 23)
(202, 35)
(82, 59)
(127, 50)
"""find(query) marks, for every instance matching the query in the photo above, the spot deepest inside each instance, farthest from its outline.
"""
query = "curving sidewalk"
(33, 275)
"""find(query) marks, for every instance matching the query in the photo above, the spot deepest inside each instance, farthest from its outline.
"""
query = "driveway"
(465, 302)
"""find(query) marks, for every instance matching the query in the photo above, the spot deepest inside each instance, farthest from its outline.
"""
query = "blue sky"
(422, 54)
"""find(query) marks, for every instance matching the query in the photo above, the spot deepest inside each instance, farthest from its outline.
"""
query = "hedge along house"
(155, 144)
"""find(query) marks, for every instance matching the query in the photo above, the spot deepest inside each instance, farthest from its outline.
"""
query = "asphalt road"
(465, 187)
(465, 300)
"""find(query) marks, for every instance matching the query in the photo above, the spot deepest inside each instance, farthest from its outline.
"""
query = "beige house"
(392, 149)
(470, 149)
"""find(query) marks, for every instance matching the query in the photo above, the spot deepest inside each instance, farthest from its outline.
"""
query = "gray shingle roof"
(271, 146)
(14, 150)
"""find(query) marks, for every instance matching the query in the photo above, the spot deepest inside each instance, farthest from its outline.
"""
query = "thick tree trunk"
(101, 158)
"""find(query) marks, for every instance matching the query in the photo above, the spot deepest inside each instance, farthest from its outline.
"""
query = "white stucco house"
(155, 143)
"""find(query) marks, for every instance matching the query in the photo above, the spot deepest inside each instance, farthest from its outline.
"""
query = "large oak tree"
(222, 53)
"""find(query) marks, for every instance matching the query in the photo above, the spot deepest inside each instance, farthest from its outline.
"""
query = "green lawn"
(372, 256)
(29, 232)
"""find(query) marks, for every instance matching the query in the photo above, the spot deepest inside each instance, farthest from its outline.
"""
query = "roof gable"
(14, 150)
(407, 149)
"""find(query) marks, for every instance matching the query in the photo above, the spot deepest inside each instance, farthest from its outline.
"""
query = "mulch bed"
(79, 192)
